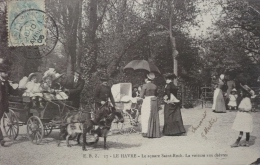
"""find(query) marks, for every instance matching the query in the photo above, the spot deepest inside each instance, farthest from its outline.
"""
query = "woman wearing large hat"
(219, 105)
(149, 110)
(243, 121)
(173, 124)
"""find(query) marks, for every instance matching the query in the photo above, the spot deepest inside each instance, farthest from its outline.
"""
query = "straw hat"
(31, 75)
(151, 76)
(248, 89)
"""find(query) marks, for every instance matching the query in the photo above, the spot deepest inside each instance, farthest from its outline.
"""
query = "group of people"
(173, 124)
(243, 121)
(53, 86)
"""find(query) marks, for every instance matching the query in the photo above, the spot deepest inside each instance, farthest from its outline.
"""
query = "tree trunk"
(173, 43)
(80, 38)
(120, 41)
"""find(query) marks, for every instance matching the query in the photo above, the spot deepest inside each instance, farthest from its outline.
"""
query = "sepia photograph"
(145, 82)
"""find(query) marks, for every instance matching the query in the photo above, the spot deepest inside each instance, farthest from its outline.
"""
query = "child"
(232, 104)
(243, 121)
(32, 90)
(46, 86)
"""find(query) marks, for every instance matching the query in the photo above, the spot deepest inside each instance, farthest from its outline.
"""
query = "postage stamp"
(26, 23)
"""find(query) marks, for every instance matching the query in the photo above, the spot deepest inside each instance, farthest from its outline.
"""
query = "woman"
(243, 121)
(150, 116)
(219, 105)
(173, 124)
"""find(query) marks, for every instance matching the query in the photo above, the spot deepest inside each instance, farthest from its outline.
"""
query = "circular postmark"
(36, 28)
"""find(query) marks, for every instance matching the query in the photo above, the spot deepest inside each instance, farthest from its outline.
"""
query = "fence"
(189, 94)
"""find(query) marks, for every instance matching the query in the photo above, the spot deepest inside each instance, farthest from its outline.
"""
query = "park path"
(207, 142)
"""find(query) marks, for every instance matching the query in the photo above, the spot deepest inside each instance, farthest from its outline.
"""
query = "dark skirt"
(154, 122)
(173, 124)
(220, 103)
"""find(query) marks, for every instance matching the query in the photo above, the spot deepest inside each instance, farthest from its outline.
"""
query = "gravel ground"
(193, 148)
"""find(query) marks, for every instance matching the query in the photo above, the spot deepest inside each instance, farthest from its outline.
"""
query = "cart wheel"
(35, 129)
(47, 130)
(10, 124)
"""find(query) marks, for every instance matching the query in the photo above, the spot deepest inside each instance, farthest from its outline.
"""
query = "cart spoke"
(11, 131)
(38, 133)
(14, 130)
(8, 130)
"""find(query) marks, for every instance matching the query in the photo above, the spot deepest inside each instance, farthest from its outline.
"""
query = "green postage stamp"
(26, 22)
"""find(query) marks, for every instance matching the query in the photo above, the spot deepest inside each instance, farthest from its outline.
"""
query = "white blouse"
(245, 104)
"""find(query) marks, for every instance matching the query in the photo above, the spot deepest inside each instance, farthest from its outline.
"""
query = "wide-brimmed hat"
(48, 76)
(247, 89)
(151, 76)
(57, 76)
(234, 90)
(31, 75)
(170, 76)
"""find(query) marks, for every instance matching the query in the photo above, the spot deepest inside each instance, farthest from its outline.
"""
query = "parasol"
(143, 65)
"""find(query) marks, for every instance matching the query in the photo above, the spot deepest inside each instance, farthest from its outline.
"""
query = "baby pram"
(126, 104)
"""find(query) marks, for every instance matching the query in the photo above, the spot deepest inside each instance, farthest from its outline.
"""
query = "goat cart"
(39, 121)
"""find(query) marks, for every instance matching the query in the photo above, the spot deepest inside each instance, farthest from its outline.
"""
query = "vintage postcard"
(146, 82)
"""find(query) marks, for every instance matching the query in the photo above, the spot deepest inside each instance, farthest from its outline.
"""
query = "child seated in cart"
(51, 88)
(33, 90)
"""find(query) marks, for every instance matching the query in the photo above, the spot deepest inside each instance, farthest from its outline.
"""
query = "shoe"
(246, 144)
(2, 142)
(236, 144)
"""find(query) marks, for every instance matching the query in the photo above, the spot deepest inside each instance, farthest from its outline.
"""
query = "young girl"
(243, 121)
(232, 104)
(32, 90)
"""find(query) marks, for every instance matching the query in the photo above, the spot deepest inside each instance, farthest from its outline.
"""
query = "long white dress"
(243, 121)
(146, 111)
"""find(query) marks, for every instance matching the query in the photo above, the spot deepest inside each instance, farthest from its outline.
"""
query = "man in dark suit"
(74, 86)
(102, 96)
(5, 91)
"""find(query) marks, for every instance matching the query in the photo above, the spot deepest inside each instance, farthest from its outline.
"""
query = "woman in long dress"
(173, 124)
(243, 121)
(150, 117)
(219, 105)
